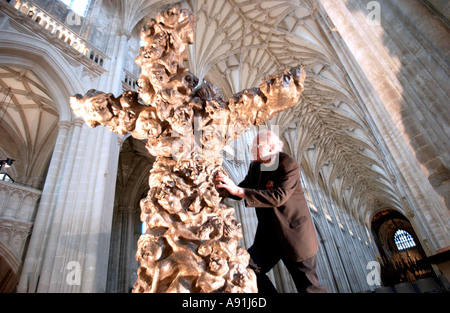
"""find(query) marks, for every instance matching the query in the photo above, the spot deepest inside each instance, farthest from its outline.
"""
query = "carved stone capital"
(124, 32)
(64, 125)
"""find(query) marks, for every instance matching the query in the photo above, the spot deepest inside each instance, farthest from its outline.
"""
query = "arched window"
(403, 240)
(78, 6)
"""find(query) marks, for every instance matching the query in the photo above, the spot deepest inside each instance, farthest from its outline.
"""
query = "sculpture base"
(191, 242)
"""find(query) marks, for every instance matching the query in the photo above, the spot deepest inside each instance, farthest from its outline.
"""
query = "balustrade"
(130, 81)
(58, 30)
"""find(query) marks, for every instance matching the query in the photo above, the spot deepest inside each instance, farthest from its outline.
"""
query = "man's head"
(265, 145)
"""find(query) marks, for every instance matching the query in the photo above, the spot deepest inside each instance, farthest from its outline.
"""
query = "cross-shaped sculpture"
(191, 242)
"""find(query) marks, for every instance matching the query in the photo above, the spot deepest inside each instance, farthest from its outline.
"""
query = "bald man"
(285, 228)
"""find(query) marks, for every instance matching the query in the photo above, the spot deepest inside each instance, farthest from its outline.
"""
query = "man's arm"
(234, 192)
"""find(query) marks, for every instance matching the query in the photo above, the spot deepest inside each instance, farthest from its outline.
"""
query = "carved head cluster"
(179, 117)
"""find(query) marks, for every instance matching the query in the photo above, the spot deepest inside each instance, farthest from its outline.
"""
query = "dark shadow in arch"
(398, 266)
(134, 166)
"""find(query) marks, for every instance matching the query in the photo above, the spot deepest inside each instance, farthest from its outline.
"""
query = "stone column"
(384, 88)
(123, 35)
(330, 244)
(57, 236)
(100, 208)
(37, 246)
(69, 246)
(237, 169)
(123, 249)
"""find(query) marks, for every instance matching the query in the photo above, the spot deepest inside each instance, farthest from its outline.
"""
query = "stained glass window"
(403, 240)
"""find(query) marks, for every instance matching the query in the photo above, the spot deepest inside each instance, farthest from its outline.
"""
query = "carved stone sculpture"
(191, 242)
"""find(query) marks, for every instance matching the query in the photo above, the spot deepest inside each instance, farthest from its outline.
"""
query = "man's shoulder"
(286, 159)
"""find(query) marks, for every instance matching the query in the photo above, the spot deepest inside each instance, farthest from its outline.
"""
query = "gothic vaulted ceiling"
(28, 120)
(239, 42)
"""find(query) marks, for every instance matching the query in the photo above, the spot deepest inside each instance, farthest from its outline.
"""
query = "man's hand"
(229, 185)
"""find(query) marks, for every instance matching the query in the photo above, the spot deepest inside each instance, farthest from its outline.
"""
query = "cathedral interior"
(371, 133)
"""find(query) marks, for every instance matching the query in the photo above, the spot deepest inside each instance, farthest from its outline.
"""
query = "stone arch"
(131, 186)
(48, 81)
(33, 54)
(398, 265)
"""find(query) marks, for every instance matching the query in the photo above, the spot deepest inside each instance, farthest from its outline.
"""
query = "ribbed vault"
(28, 119)
(239, 42)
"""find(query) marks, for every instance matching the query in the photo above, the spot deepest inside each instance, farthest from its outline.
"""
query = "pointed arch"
(45, 61)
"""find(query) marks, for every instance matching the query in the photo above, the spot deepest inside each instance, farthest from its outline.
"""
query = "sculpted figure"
(191, 240)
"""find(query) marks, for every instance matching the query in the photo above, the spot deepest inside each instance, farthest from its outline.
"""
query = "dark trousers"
(304, 275)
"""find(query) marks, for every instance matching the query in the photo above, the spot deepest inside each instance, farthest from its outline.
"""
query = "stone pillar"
(122, 263)
(330, 244)
(123, 35)
(37, 245)
(424, 115)
(237, 168)
(69, 246)
(378, 60)
(58, 236)
(100, 206)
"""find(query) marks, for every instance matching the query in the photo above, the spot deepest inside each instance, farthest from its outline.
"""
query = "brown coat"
(283, 215)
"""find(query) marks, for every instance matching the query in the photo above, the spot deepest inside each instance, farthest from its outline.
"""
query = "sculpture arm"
(256, 105)
(122, 115)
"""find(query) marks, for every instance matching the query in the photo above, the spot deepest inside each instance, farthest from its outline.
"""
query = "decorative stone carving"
(191, 242)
